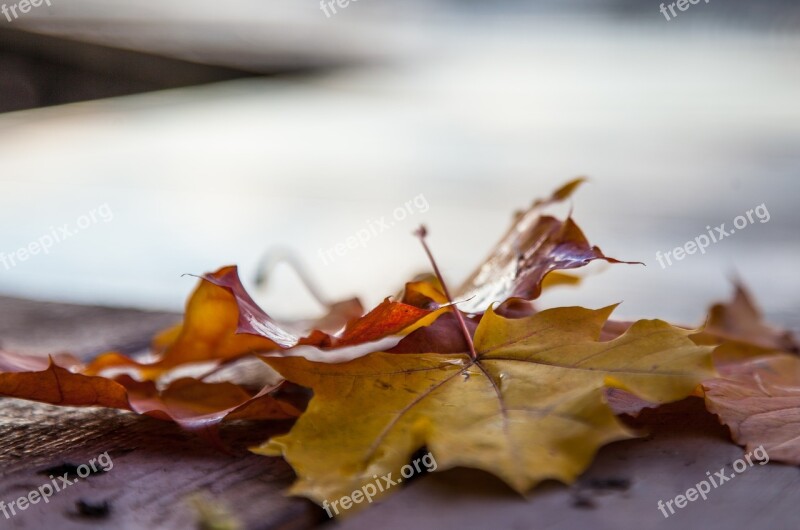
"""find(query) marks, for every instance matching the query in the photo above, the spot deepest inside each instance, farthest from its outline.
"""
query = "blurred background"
(152, 139)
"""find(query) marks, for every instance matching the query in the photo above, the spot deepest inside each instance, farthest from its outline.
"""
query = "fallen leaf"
(739, 320)
(388, 318)
(193, 404)
(533, 247)
(757, 392)
(53, 384)
(736, 327)
(210, 331)
(529, 408)
(758, 398)
(223, 324)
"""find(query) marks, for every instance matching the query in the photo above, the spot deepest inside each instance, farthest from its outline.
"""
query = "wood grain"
(160, 473)
(45, 327)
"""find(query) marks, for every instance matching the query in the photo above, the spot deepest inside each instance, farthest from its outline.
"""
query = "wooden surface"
(159, 472)
(161, 475)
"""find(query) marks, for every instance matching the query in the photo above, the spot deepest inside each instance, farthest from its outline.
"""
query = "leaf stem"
(421, 233)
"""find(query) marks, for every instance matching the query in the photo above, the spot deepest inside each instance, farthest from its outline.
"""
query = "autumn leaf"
(757, 393)
(195, 405)
(50, 383)
(381, 327)
(738, 330)
(388, 318)
(529, 407)
(424, 292)
(482, 379)
(535, 246)
(223, 323)
(740, 320)
(758, 398)
(207, 334)
(209, 330)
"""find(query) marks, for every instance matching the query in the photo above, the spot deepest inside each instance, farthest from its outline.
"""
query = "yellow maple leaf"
(528, 407)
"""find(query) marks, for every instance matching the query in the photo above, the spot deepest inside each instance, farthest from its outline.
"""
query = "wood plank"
(159, 473)
(44, 327)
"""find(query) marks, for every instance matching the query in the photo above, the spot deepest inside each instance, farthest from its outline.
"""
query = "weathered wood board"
(164, 478)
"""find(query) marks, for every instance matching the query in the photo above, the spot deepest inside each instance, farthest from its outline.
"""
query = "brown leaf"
(739, 320)
(58, 386)
(738, 330)
(759, 400)
(15, 362)
(193, 404)
(252, 320)
(757, 392)
(534, 246)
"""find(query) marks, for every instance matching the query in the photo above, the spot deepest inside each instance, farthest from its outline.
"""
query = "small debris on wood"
(69, 469)
(580, 500)
(95, 510)
(615, 484)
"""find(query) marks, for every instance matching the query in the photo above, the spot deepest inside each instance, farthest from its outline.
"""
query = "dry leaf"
(757, 393)
(758, 398)
(529, 408)
(223, 323)
(533, 247)
(193, 404)
(739, 320)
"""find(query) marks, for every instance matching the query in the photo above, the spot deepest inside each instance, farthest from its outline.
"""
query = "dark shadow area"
(40, 71)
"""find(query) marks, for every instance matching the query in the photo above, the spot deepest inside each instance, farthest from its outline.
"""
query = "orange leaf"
(223, 324)
(193, 404)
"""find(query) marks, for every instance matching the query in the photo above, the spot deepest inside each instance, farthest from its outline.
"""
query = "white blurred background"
(678, 125)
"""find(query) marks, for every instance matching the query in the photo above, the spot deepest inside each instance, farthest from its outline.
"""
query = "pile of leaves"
(481, 378)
